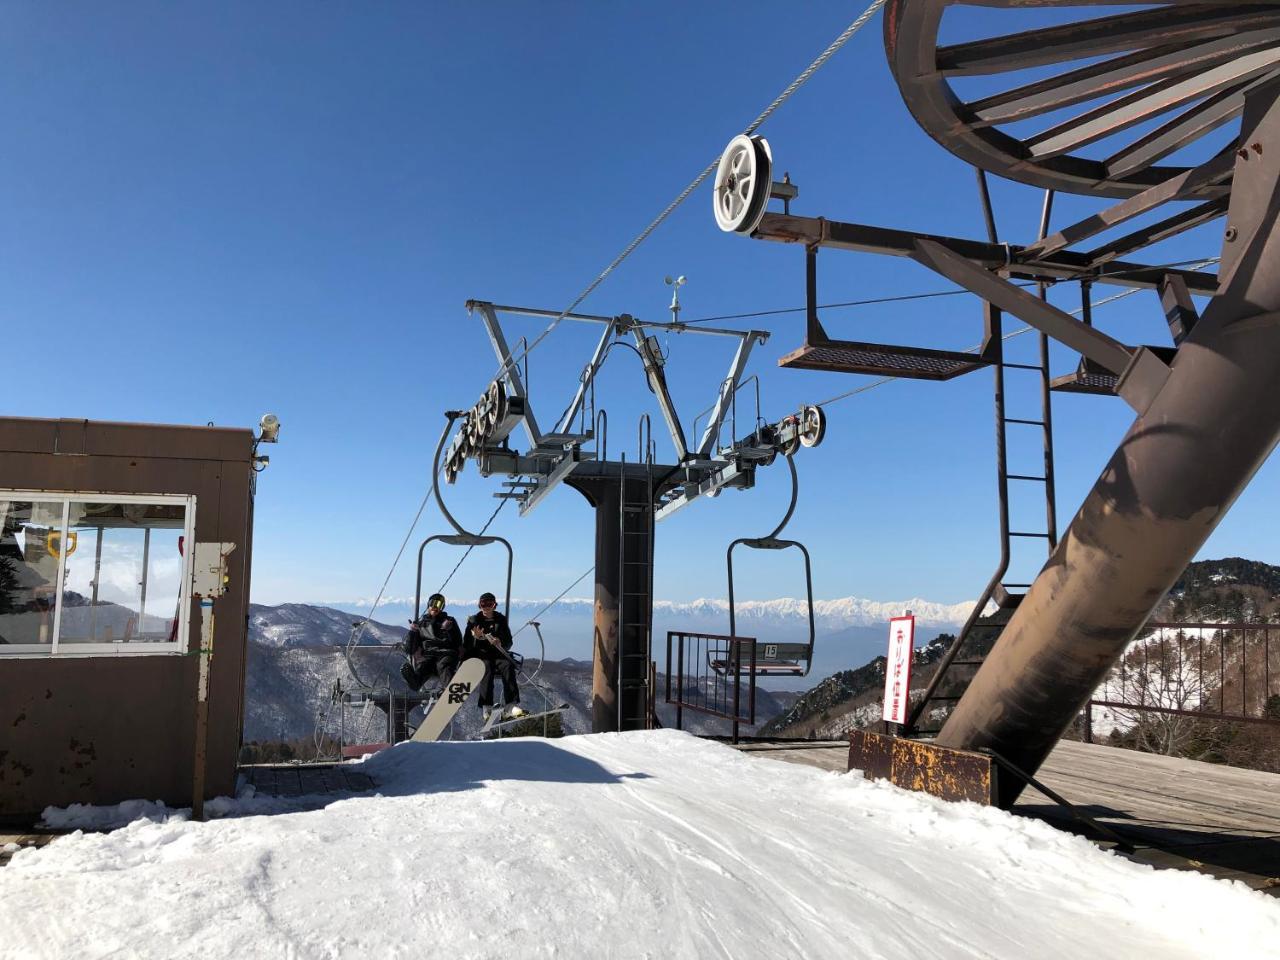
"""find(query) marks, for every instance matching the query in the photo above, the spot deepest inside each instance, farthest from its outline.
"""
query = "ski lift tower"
(629, 495)
(1136, 101)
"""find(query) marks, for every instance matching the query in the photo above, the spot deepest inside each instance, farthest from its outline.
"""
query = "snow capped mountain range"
(828, 614)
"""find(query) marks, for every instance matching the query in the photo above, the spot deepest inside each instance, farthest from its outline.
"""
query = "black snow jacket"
(435, 634)
(496, 627)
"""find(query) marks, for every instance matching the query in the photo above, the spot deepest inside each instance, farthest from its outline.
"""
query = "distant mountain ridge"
(304, 625)
(1216, 591)
(828, 614)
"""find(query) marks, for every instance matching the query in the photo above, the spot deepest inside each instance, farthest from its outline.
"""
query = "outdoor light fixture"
(270, 427)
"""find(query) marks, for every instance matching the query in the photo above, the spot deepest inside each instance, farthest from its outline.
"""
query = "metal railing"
(709, 671)
(1203, 671)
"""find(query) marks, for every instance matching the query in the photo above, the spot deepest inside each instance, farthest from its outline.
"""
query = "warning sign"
(897, 670)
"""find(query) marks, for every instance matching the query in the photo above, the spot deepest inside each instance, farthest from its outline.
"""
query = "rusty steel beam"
(1062, 265)
(1179, 188)
(1167, 57)
(913, 765)
(1147, 102)
(1203, 118)
(1140, 372)
(1161, 230)
(1179, 309)
(1108, 76)
(1155, 503)
(1093, 38)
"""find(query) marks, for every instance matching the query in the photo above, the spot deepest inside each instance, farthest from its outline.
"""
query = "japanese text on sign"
(897, 669)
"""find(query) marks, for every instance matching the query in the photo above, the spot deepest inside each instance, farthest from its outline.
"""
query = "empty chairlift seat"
(770, 659)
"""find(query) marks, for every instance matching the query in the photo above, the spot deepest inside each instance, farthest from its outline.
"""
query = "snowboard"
(464, 682)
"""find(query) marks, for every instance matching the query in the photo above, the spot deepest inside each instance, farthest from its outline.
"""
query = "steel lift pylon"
(629, 497)
(1137, 89)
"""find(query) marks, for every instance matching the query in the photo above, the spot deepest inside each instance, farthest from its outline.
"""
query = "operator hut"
(110, 565)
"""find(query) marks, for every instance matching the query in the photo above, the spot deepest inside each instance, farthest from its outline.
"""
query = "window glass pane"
(123, 572)
(28, 570)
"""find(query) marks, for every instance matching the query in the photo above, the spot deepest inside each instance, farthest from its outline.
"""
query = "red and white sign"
(897, 670)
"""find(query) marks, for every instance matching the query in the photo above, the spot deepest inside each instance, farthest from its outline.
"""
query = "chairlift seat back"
(772, 659)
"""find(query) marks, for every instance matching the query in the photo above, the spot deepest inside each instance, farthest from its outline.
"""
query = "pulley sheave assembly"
(487, 423)
(743, 183)
(809, 427)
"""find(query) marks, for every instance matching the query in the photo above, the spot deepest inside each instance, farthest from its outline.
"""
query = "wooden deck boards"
(23, 840)
(1177, 813)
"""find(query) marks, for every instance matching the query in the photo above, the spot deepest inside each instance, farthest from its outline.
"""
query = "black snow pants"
(501, 667)
(433, 663)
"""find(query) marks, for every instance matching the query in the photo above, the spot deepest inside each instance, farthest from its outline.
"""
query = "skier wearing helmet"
(434, 645)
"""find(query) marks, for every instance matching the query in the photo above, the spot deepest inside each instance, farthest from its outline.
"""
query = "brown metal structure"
(106, 728)
(946, 773)
(1119, 98)
(1155, 503)
(1184, 64)
(623, 497)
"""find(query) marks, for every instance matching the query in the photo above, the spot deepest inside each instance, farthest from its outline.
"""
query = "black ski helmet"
(435, 601)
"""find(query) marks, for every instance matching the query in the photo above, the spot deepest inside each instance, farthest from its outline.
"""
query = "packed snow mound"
(619, 845)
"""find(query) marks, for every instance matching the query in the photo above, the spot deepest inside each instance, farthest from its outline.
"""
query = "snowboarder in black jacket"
(434, 645)
(489, 638)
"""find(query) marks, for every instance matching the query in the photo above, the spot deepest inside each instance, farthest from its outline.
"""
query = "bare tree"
(1163, 673)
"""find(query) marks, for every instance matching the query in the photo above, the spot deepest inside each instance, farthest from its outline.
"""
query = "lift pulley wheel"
(497, 402)
(742, 184)
(813, 425)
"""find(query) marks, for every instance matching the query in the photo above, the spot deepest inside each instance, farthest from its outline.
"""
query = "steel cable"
(644, 234)
(483, 530)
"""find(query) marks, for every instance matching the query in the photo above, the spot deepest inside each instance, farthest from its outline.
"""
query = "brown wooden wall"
(101, 729)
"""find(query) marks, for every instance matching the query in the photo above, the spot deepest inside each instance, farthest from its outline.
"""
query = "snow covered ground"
(636, 845)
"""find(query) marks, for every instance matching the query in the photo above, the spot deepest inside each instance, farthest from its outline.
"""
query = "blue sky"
(212, 211)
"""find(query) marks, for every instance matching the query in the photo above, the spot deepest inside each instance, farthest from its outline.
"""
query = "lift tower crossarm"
(652, 361)
(555, 457)
(727, 389)
(588, 375)
(1141, 373)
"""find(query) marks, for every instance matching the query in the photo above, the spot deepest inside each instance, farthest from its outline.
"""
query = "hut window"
(88, 574)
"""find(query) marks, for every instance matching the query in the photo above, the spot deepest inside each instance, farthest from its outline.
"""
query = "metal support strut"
(1155, 504)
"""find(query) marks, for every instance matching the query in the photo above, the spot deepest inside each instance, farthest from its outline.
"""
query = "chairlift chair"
(772, 659)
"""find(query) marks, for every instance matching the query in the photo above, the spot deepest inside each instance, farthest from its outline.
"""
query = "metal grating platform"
(877, 359)
(1103, 384)
(1089, 377)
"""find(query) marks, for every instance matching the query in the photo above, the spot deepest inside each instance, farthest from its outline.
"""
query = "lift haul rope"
(768, 111)
(957, 292)
(483, 530)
